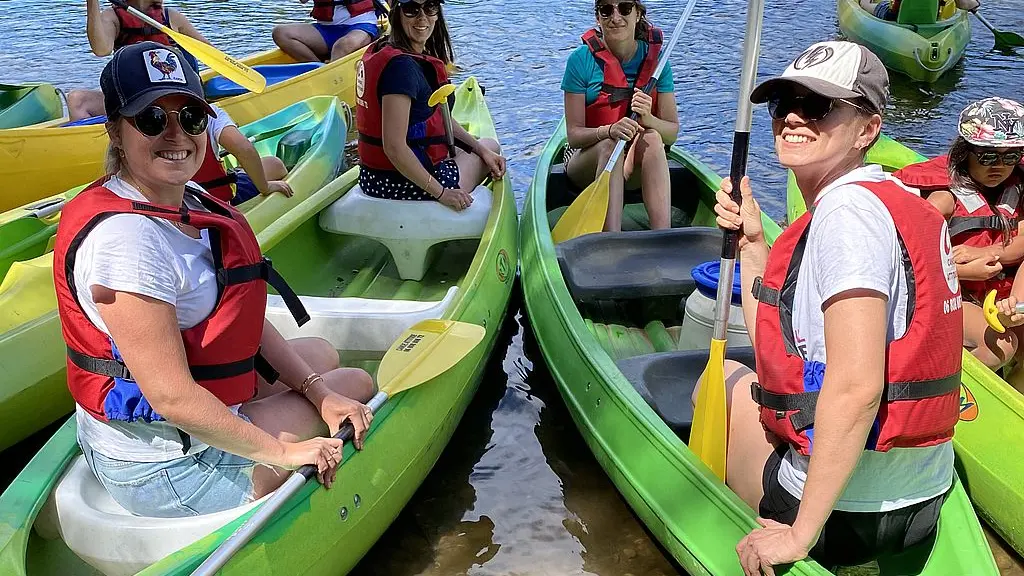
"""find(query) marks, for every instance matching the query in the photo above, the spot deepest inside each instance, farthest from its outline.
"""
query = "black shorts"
(392, 185)
(851, 538)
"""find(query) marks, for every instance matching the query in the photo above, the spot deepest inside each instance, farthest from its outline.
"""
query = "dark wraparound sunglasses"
(413, 9)
(624, 8)
(811, 106)
(991, 158)
(152, 121)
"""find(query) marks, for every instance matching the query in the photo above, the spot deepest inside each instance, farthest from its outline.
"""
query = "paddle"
(709, 433)
(440, 96)
(1003, 39)
(272, 132)
(587, 212)
(992, 313)
(222, 63)
(420, 354)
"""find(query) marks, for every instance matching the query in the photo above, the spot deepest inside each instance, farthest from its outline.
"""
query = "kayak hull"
(28, 104)
(924, 55)
(34, 394)
(990, 432)
(691, 513)
(326, 531)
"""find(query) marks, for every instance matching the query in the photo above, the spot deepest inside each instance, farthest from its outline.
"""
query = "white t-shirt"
(852, 243)
(148, 256)
(217, 125)
(341, 16)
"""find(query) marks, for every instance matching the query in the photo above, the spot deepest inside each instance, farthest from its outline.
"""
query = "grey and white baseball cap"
(834, 70)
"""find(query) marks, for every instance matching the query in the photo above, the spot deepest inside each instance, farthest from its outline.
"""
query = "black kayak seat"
(638, 264)
(665, 381)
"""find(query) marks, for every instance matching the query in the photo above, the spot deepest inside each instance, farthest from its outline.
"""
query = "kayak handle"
(941, 68)
(45, 210)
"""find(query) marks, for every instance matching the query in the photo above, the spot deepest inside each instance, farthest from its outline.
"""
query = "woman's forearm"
(669, 131)
(583, 137)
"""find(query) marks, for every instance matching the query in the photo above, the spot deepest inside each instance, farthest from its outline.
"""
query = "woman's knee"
(281, 33)
(356, 384)
(318, 353)
(274, 168)
(491, 144)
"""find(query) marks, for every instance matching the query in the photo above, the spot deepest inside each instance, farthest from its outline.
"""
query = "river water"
(517, 491)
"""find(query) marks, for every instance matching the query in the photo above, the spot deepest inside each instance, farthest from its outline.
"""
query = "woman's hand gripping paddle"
(419, 355)
(710, 430)
(587, 212)
(223, 64)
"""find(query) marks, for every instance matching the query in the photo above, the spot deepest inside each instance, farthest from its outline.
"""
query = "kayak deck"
(627, 388)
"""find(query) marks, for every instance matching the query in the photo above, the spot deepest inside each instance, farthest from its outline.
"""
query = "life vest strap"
(230, 178)
(117, 369)
(764, 294)
(961, 224)
(616, 93)
(418, 142)
(264, 270)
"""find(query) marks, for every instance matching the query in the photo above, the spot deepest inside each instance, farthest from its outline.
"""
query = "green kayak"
(308, 135)
(991, 428)
(917, 45)
(605, 311)
(363, 284)
(27, 104)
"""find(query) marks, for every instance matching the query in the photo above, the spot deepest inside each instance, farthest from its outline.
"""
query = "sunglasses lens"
(605, 10)
(410, 9)
(1012, 158)
(431, 8)
(151, 121)
(816, 107)
(193, 119)
(811, 107)
(625, 8)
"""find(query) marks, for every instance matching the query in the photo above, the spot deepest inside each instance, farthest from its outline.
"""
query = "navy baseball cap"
(140, 74)
(394, 2)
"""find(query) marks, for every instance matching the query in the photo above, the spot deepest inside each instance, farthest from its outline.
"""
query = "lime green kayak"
(27, 104)
(990, 433)
(55, 518)
(609, 330)
(32, 393)
(922, 48)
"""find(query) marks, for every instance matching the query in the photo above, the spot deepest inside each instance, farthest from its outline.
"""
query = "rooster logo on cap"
(166, 67)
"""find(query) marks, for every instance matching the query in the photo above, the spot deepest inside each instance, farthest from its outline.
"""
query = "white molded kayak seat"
(356, 323)
(408, 228)
(108, 537)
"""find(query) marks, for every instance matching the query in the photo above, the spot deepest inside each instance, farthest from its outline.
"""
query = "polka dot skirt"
(392, 185)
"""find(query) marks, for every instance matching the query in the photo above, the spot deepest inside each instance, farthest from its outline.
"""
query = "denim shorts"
(203, 483)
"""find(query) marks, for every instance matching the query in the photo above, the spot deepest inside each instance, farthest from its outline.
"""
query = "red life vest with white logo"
(974, 221)
(213, 177)
(222, 350)
(323, 10)
(428, 138)
(612, 103)
(922, 402)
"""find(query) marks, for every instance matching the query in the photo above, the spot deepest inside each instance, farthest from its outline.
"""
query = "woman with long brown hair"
(602, 85)
(403, 152)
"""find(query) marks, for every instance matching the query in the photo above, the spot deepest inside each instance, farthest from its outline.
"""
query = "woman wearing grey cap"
(847, 458)
(161, 296)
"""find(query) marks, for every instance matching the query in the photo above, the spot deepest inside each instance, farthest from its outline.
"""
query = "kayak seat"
(410, 229)
(362, 324)
(636, 265)
(220, 87)
(666, 381)
(108, 537)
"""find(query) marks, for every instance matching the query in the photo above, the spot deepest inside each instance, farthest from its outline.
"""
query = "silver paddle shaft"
(240, 537)
(744, 111)
(662, 62)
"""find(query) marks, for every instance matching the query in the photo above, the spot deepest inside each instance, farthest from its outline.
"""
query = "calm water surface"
(517, 491)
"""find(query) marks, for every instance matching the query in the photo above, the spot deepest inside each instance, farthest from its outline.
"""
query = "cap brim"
(145, 99)
(827, 89)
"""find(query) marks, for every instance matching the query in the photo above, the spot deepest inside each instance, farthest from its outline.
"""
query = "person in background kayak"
(255, 175)
(161, 292)
(341, 28)
(977, 187)
(115, 27)
(890, 9)
(403, 152)
(841, 439)
(603, 83)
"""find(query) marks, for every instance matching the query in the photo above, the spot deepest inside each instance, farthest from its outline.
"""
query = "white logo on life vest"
(952, 304)
(948, 265)
(360, 79)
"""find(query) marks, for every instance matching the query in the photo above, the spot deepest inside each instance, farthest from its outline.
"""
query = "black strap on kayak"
(802, 404)
(264, 270)
(961, 224)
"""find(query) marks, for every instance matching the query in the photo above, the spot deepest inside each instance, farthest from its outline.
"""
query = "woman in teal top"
(602, 85)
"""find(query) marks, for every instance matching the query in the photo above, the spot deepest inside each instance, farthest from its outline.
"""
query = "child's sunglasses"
(990, 158)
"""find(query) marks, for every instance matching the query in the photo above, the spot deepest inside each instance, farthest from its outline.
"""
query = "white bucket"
(699, 312)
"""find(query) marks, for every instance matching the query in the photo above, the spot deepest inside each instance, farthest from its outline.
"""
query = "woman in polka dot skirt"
(402, 147)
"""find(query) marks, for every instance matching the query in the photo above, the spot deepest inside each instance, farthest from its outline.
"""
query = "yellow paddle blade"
(441, 94)
(710, 430)
(992, 313)
(425, 351)
(587, 212)
(223, 64)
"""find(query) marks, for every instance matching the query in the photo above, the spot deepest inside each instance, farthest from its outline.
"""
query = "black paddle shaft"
(740, 146)
(346, 433)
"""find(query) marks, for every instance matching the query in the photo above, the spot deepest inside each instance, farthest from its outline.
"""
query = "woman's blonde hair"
(112, 161)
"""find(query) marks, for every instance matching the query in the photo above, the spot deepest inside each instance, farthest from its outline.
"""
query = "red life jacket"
(213, 177)
(427, 139)
(974, 221)
(222, 350)
(922, 401)
(323, 10)
(132, 30)
(616, 93)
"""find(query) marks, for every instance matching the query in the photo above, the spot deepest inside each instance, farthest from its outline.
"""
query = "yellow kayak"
(47, 158)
